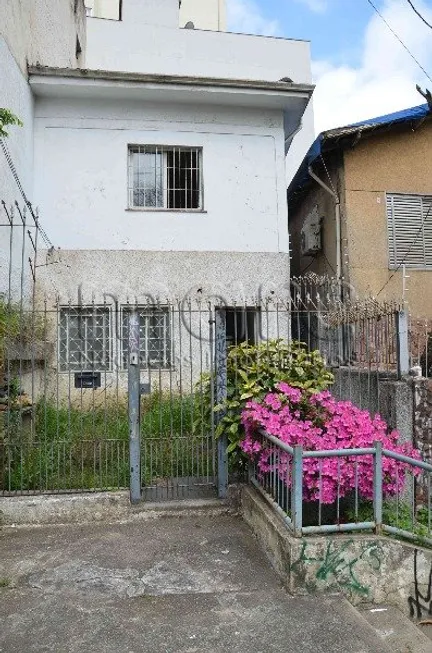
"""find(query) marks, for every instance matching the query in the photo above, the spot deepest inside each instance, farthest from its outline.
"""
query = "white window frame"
(164, 149)
(65, 365)
(395, 260)
(147, 310)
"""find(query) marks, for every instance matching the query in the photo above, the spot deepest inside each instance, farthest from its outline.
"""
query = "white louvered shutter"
(409, 221)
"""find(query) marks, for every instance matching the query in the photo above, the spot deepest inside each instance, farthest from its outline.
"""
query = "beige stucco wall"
(394, 162)
(40, 32)
(315, 195)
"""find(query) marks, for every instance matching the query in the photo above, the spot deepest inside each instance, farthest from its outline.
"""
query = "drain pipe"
(338, 221)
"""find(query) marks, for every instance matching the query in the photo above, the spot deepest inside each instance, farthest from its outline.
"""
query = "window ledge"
(152, 210)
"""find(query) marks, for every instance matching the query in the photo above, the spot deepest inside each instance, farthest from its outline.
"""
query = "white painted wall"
(205, 14)
(15, 94)
(43, 31)
(139, 47)
(109, 9)
(31, 32)
(81, 176)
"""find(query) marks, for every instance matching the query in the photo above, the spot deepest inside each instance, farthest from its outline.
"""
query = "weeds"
(88, 447)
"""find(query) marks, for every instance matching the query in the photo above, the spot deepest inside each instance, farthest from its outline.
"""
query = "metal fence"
(67, 364)
(284, 475)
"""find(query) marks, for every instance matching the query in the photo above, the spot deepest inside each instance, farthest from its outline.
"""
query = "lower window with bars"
(86, 343)
(162, 177)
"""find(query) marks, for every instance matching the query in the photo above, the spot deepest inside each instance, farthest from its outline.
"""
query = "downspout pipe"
(338, 220)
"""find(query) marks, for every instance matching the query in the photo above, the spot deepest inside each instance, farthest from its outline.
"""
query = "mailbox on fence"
(87, 380)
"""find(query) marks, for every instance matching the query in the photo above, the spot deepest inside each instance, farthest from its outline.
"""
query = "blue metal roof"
(407, 115)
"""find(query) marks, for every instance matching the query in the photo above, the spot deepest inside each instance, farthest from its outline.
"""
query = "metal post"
(221, 395)
(297, 491)
(378, 487)
(402, 343)
(134, 407)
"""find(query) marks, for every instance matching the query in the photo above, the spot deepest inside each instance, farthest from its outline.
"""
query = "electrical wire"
(400, 40)
(13, 169)
(408, 252)
(411, 4)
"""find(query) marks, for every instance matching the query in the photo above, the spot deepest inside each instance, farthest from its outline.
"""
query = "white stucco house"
(160, 170)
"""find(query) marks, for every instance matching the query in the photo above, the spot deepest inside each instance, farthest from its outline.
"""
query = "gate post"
(221, 395)
(134, 407)
(402, 335)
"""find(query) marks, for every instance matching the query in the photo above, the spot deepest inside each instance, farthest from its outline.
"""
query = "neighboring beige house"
(360, 207)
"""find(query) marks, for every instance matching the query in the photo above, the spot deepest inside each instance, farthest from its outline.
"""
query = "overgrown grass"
(88, 447)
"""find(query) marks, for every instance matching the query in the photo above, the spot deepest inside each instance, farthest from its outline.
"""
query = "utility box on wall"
(311, 241)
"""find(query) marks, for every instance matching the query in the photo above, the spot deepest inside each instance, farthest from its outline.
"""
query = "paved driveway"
(173, 585)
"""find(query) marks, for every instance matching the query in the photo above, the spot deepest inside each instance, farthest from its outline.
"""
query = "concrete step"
(396, 630)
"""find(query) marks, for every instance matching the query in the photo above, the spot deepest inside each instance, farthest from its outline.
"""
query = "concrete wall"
(365, 569)
(205, 14)
(136, 45)
(33, 32)
(41, 32)
(15, 95)
(394, 162)
(81, 177)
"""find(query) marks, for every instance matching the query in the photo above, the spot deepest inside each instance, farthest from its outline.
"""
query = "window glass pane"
(155, 338)
(147, 177)
(165, 177)
(84, 339)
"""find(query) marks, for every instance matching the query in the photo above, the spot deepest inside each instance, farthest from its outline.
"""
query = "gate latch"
(145, 389)
(134, 359)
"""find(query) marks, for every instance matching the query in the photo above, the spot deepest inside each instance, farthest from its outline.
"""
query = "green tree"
(7, 118)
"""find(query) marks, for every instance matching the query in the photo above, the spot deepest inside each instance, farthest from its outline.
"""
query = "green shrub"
(255, 370)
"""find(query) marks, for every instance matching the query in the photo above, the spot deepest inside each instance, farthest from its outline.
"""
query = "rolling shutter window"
(409, 220)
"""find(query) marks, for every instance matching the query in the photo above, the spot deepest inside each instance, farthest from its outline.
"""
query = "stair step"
(394, 628)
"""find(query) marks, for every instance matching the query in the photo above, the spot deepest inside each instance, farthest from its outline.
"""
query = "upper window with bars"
(155, 337)
(84, 339)
(409, 222)
(163, 177)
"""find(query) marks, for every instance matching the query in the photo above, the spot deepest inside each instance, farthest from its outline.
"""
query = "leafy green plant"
(255, 370)
(8, 118)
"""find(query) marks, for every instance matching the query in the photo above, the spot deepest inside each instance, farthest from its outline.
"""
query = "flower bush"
(320, 422)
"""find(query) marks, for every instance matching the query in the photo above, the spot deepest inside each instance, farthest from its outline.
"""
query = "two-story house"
(160, 173)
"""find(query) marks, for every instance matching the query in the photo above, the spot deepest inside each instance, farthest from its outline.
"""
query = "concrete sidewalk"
(173, 585)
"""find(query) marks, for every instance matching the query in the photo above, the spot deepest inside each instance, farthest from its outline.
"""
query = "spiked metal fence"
(94, 387)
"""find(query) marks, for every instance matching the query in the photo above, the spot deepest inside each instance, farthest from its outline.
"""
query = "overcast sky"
(359, 67)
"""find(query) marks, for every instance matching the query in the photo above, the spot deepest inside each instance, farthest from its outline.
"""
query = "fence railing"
(367, 492)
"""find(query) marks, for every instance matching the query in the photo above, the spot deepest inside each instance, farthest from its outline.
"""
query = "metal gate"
(177, 362)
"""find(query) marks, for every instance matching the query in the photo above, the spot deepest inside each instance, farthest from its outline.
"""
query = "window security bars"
(163, 177)
(409, 221)
(284, 472)
(84, 339)
(155, 337)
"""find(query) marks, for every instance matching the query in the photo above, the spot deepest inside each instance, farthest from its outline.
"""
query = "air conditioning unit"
(311, 240)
